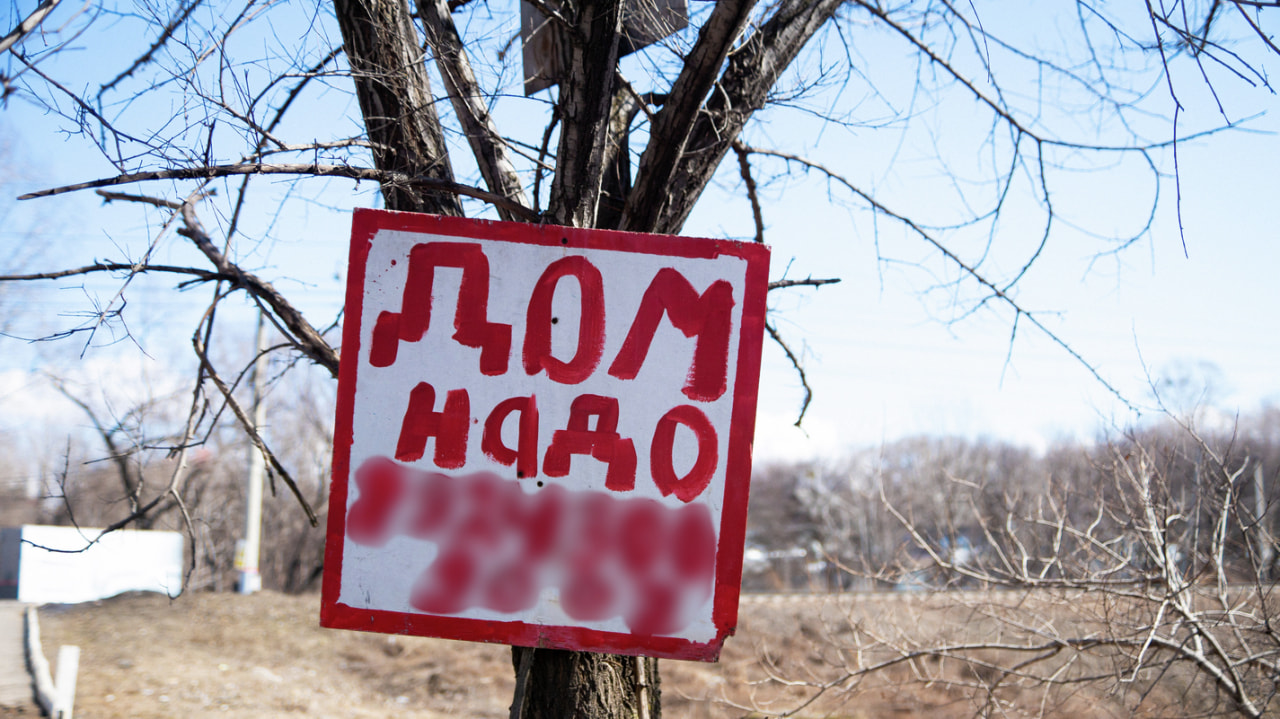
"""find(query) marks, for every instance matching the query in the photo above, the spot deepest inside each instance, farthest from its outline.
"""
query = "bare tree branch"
(675, 121)
(28, 24)
(246, 423)
(807, 282)
(130, 267)
(305, 337)
(666, 193)
(387, 178)
(464, 93)
(395, 97)
(989, 286)
(795, 362)
(166, 33)
(744, 169)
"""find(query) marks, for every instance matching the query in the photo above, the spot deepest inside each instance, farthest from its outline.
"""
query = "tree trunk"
(550, 683)
(690, 135)
(586, 96)
(553, 684)
(395, 99)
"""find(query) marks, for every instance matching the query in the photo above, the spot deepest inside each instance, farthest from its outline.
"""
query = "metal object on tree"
(546, 49)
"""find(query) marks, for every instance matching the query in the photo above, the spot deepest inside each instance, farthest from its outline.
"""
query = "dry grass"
(226, 655)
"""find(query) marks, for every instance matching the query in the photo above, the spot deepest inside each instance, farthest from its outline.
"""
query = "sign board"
(543, 435)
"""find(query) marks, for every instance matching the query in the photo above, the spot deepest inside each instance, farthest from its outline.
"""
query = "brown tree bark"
(669, 185)
(395, 99)
(586, 94)
(553, 684)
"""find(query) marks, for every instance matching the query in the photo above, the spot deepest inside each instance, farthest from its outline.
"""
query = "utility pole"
(247, 550)
(1266, 550)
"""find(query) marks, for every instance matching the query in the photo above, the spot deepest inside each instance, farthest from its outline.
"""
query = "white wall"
(122, 561)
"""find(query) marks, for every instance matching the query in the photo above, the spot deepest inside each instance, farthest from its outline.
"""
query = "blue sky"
(885, 363)
(891, 351)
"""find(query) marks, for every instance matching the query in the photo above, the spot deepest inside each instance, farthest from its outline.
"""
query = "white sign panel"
(543, 434)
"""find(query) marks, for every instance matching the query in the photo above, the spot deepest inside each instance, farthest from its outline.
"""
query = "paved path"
(15, 681)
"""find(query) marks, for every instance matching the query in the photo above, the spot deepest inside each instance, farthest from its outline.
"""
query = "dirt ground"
(226, 655)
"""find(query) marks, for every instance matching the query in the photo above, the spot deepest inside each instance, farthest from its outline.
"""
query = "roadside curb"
(56, 701)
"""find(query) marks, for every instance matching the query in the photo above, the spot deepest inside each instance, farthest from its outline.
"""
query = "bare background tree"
(217, 98)
(1139, 568)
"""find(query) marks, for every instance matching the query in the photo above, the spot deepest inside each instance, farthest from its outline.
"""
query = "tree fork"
(668, 185)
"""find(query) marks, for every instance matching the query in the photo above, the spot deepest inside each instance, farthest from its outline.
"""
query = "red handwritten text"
(591, 427)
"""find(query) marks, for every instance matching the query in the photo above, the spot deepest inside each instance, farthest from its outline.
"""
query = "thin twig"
(317, 170)
(744, 168)
(247, 424)
(795, 362)
(806, 282)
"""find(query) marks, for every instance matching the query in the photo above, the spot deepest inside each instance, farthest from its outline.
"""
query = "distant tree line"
(1139, 567)
(917, 513)
(946, 512)
(1146, 559)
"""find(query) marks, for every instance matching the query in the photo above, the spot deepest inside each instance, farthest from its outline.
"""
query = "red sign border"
(365, 225)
